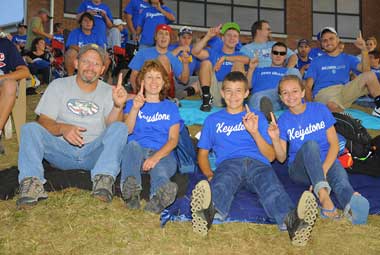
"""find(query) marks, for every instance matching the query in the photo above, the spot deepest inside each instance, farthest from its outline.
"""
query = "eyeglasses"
(88, 62)
(281, 53)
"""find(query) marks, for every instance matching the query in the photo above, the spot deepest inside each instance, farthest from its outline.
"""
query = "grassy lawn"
(72, 222)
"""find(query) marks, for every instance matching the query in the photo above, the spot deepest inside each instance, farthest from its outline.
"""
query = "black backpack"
(358, 140)
(370, 165)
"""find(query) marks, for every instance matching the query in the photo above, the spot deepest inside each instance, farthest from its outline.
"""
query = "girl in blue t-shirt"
(153, 126)
(313, 149)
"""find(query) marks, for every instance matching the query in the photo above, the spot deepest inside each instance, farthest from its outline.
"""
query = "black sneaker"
(266, 107)
(206, 103)
(102, 187)
(131, 193)
(202, 208)
(300, 221)
(164, 197)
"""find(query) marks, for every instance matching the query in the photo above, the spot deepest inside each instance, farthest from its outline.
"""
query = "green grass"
(72, 222)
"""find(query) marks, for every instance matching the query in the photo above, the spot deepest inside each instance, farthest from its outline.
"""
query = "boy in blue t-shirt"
(328, 77)
(20, 38)
(216, 63)
(133, 10)
(243, 150)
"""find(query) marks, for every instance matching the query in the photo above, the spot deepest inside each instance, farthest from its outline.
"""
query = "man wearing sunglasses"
(264, 80)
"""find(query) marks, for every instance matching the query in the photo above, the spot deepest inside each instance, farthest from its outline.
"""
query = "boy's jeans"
(101, 156)
(307, 169)
(255, 176)
(134, 156)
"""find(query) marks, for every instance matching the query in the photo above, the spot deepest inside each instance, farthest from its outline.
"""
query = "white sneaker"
(376, 112)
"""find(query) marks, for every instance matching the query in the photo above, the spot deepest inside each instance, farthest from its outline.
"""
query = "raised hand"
(273, 130)
(73, 134)
(250, 121)
(214, 31)
(119, 94)
(254, 62)
(139, 99)
(360, 43)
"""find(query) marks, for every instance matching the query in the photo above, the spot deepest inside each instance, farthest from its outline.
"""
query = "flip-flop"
(325, 216)
(357, 210)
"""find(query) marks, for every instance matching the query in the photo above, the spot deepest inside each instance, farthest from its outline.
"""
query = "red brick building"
(290, 19)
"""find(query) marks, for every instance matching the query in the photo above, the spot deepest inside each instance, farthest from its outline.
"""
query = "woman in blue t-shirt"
(313, 149)
(153, 126)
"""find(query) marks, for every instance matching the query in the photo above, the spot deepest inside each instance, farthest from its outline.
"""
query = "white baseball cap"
(117, 22)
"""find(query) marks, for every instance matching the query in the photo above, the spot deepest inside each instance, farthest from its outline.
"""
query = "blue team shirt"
(124, 37)
(193, 65)
(225, 134)
(215, 55)
(328, 70)
(10, 58)
(151, 53)
(265, 78)
(57, 37)
(263, 52)
(311, 125)
(135, 8)
(153, 123)
(301, 63)
(19, 39)
(100, 25)
(148, 21)
(77, 37)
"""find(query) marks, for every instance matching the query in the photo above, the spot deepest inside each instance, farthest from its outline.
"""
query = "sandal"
(357, 210)
(333, 217)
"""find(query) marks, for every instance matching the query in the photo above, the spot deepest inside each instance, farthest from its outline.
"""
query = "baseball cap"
(185, 30)
(328, 29)
(303, 41)
(43, 10)
(163, 27)
(95, 47)
(118, 22)
(228, 26)
(22, 25)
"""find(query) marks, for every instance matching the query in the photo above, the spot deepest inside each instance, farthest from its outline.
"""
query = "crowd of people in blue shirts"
(251, 82)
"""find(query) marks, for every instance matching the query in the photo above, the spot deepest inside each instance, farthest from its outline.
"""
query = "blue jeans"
(101, 156)
(254, 100)
(257, 177)
(305, 171)
(134, 156)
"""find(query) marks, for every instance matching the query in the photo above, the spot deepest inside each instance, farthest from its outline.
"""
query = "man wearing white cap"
(114, 34)
(328, 77)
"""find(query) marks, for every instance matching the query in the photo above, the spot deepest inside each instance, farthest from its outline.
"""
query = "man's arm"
(21, 72)
(198, 49)
(309, 89)
(292, 61)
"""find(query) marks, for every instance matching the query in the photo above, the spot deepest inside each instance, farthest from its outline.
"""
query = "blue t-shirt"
(100, 25)
(215, 55)
(10, 58)
(153, 123)
(311, 125)
(124, 37)
(265, 78)
(135, 8)
(57, 37)
(225, 134)
(301, 63)
(77, 37)
(151, 53)
(19, 39)
(263, 52)
(193, 65)
(148, 21)
(316, 52)
(328, 70)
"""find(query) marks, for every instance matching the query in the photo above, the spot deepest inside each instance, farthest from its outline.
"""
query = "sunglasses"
(281, 53)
